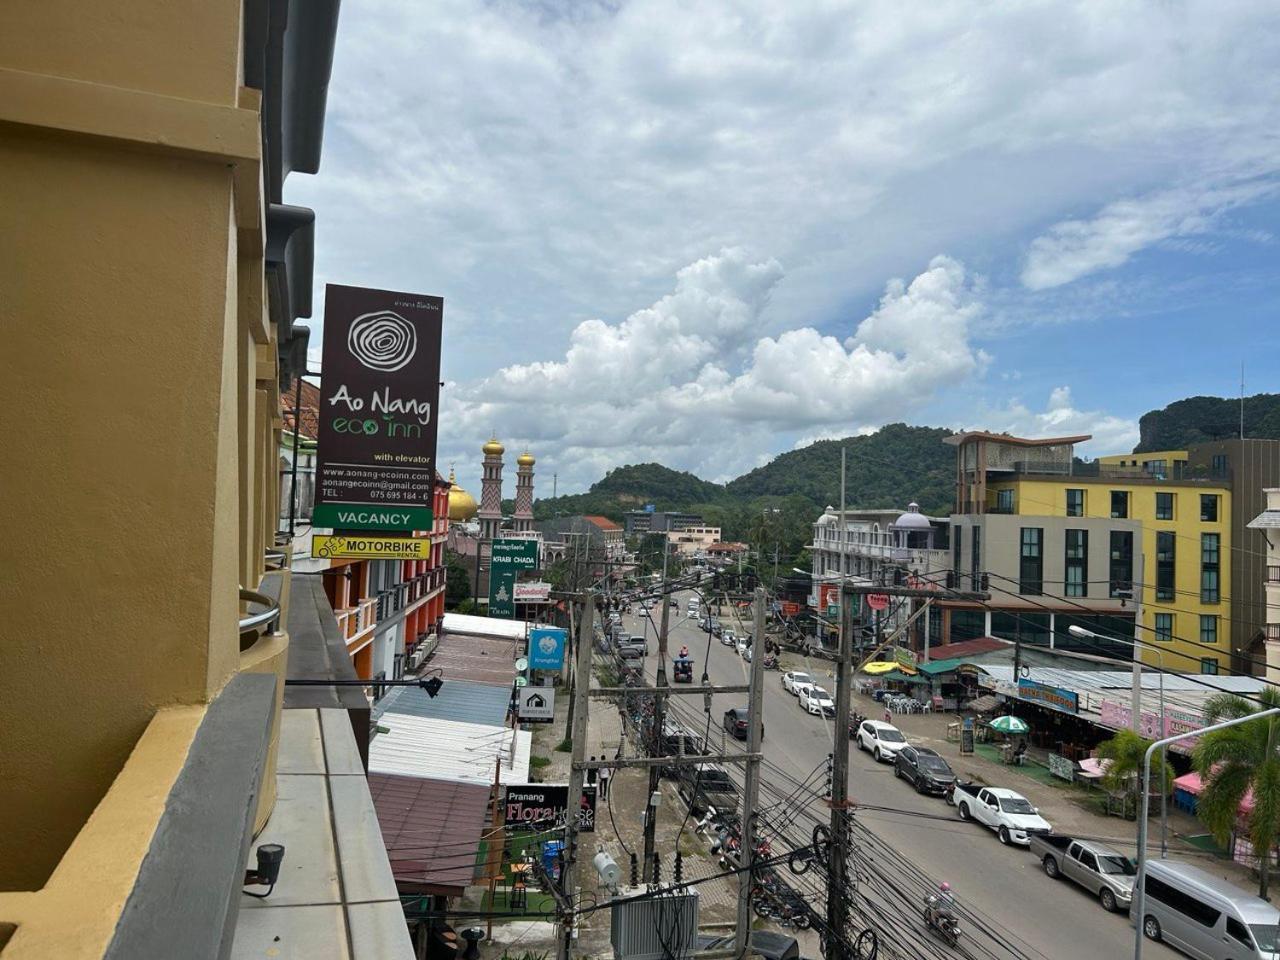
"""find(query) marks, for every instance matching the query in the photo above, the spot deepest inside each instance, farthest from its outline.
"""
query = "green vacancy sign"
(358, 516)
(505, 559)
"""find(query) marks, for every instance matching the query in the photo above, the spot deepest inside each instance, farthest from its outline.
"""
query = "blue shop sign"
(1055, 698)
(546, 648)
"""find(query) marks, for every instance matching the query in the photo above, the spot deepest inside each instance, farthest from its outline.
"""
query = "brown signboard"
(379, 395)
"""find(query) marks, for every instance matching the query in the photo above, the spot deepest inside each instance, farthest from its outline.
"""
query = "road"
(1004, 888)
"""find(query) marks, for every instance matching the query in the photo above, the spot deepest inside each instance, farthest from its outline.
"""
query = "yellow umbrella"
(879, 666)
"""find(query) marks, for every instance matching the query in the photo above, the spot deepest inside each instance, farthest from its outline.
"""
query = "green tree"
(1232, 762)
(1126, 751)
(458, 579)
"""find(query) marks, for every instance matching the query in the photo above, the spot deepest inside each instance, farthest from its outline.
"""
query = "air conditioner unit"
(664, 927)
(418, 655)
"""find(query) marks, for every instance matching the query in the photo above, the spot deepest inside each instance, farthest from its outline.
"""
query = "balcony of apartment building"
(1158, 471)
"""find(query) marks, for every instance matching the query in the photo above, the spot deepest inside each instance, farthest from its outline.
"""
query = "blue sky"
(705, 234)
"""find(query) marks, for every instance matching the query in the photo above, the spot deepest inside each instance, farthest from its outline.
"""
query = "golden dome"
(462, 505)
(526, 459)
(493, 447)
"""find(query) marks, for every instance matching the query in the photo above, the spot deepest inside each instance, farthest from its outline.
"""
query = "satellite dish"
(522, 664)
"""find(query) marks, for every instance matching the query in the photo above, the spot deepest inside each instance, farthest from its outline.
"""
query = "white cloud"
(685, 382)
(1074, 248)
(1060, 418)
(540, 163)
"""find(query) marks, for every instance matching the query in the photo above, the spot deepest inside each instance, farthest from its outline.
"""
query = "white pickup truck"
(1007, 812)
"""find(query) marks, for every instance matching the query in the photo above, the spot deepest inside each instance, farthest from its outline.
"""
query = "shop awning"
(985, 703)
(901, 677)
(935, 667)
(876, 667)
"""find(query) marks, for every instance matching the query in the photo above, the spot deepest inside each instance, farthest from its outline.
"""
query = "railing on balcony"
(265, 619)
(1273, 631)
(1273, 574)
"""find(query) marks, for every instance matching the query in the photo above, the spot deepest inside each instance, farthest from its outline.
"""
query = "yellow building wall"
(129, 203)
(1048, 498)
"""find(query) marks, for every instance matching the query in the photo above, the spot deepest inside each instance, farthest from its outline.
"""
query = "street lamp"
(1078, 631)
(1140, 881)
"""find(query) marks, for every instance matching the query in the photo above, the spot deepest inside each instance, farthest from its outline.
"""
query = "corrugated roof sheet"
(939, 666)
(484, 626)
(432, 830)
(448, 750)
(968, 648)
(478, 658)
(465, 701)
(1266, 519)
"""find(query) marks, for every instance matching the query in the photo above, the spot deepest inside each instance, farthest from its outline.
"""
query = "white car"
(882, 740)
(729, 637)
(742, 646)
(817, 701)
(791, 678)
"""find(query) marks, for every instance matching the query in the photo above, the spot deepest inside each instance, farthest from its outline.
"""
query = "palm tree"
(1126, 751)
(1232, 762)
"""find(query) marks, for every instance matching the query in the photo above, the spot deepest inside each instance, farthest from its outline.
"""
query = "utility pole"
(751, 784)
(659, 719)
(837, 855)
(1139, 586)
(581, 691)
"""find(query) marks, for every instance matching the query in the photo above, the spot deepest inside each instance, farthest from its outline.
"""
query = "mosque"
(471, 524)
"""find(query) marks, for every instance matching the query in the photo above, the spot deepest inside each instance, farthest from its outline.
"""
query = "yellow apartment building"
(1077, 533)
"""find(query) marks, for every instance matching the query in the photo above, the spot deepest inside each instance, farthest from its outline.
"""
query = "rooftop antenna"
(1241, 399)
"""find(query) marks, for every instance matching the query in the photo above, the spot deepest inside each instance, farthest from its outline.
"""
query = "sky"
(706, 233)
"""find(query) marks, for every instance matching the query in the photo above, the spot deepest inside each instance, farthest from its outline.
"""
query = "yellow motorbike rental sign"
(373, 547)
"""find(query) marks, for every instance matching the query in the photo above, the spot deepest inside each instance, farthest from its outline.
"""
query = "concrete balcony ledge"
(336, 898)
(158, 866)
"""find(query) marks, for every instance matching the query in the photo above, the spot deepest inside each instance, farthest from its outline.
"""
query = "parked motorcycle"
(770, 662)
(941, 921)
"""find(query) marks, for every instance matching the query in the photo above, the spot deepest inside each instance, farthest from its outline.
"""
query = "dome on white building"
(913, 519)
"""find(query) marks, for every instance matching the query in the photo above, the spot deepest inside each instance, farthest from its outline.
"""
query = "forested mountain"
(896, 464)
(1199, 419)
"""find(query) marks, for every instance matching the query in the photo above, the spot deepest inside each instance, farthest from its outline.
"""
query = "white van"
(1203, 915)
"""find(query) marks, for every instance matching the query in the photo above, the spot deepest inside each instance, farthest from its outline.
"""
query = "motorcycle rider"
(943, 903)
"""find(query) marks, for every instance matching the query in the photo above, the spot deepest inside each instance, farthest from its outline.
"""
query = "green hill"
(889, 468)
(1201, 419)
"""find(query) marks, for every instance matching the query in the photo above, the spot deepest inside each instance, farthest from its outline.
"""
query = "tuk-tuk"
(682, 670)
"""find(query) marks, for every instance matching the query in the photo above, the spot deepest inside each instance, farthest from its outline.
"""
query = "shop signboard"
(346, 547)
(966, 736)
(546, 648)
(506, 558)
(829, 598)
(905, 659)
(533, 592)
(542, 806)
(378, 406)
(1061, 767)
(1054, 698)
(536, 704)
(1177, 720)
(877, 601)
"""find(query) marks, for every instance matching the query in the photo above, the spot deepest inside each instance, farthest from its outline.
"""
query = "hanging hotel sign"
(342, 547)
(532, 592)
(378, 402)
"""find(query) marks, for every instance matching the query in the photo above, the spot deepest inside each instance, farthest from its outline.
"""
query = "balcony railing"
(264, 619)
(1273, 631)
(1273, 574)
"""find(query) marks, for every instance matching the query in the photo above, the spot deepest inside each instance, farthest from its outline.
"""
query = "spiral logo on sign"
(382, 340)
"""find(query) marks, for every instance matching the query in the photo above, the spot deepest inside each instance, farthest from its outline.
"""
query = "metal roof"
(940, 666)
(465, 701)
(1266, 519)
(432, 830)
(484, 626)
(448, 750)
